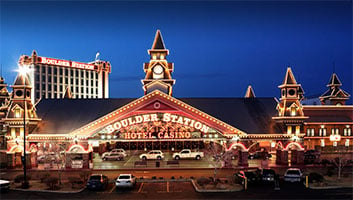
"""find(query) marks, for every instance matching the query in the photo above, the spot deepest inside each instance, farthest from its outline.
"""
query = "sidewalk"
(333, 183)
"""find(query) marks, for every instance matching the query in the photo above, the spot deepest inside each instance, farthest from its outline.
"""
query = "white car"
(113, 156)
(121, 151)
(293, 175)
(125, 180)
(4, 185)
(155, 154)
(187, 153)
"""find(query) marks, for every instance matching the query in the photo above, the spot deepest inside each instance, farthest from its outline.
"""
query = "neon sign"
(166, 117)
(160, 135)
(65, 63)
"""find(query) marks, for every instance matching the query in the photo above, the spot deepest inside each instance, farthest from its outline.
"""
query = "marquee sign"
(66, 63)
(154, 117)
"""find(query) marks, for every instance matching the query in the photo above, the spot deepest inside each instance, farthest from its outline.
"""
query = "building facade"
(54, 78)
(158, 120)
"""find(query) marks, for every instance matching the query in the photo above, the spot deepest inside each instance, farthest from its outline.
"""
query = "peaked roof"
(289, 79)
(334, 81)
(62, 116)
(158, 41)
(250, 92)
(22, 80)
(68, 93)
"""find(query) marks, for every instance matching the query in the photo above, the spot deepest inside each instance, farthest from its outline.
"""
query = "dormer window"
(293, 112)
(17, 113)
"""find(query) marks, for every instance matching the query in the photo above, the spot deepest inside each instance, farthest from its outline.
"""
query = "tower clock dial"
(158, 70)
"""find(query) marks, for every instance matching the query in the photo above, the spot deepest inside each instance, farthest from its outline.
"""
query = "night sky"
(218, 48)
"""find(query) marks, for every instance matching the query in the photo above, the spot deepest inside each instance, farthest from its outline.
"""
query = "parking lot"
(133, 156)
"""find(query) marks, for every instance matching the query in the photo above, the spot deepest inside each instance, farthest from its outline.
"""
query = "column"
(243, 158)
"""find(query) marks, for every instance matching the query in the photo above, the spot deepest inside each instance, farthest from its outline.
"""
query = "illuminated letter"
(117, 126)
(127, 135)
(166, 117)
(180, 120)
(171, 135)
(186, 121)
(154, 117)
(174, 117)
(166, 135)
(160, 135)
(139, 135)
(204, 128)
(198, 125)
(133, 135)
(192, 123)
(181, 135)
(138, 119)
(124, 123)
(131, 122)
(146, 118)
(109, 129)
(187, 135)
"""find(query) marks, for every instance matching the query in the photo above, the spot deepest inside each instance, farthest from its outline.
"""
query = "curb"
(203, 191)
(328, 187)
(48, 191)
(161, 180)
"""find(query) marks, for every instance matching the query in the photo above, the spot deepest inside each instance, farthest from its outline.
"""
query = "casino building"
(54, 78)
(158, 120)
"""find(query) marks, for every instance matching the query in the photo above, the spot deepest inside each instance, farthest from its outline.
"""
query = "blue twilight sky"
(218, 48)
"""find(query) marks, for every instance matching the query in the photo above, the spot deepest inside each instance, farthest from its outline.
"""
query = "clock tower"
(158, 70)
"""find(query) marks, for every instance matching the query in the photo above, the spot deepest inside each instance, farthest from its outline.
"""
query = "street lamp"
(24, 70)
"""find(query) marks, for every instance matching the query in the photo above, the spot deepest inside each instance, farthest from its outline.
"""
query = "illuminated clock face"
(158, 69)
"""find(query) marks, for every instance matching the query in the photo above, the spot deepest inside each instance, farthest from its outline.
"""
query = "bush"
(154, 177)
(203, 181)
(329, 172)
(44, 176)
(325, 162)
(74, 181)
(173, 177)
(160, 177)
(20, 178)
(191, 177)
(181, 177)
(52, 182)
(315, 177)
(84, 175)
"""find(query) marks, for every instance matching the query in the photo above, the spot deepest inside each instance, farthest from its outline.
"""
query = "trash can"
(158, 164)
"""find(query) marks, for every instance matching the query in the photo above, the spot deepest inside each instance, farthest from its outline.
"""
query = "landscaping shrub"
(84, 175)
(325, 162)
(160, 177)
(74, 181)
(191, 177)
(203, 181)
(20, 178)
(315, 177)
(52, 182)
(181, 177)
(329, 172)
(173, 177)
(154, 177)
(44, 176)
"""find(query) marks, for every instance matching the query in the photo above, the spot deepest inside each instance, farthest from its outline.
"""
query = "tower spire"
(158, 41)
(250, 92)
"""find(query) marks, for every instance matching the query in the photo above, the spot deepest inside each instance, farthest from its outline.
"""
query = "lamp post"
(23, 72)
(25, 182)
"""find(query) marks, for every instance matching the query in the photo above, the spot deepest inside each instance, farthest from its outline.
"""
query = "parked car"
(311, 156)
(187, 153)
(121, 151)
(47, 158)
(4, 185)
(155, 154)
(260, 155)
(293, 175)
(97, 181)
(113, 156)
(253, 176)
(268, 175)
(125, 180)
